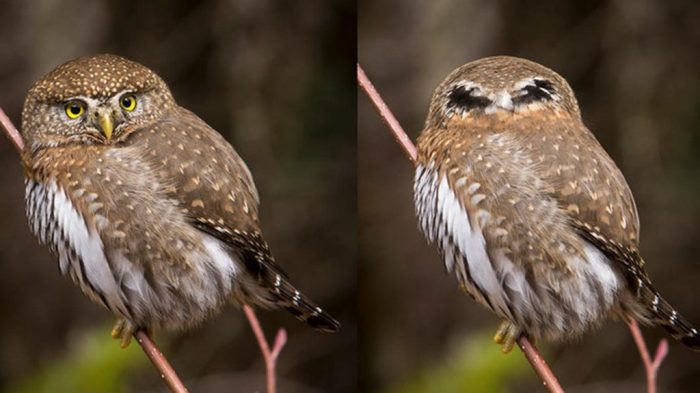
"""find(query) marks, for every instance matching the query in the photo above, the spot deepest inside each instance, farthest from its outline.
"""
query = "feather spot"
(477, 198)
(473, 187)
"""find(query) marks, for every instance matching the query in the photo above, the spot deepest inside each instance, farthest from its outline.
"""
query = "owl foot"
(506, 335)
(123, 330)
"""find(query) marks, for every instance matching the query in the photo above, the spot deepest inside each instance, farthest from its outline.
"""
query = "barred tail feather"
(267, 285)
(271, 289)
(289, 298)
(280, 293)
(662, 314)
(645, 303)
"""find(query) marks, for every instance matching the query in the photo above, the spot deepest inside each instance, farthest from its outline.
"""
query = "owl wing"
(215, 188)
(602, 209)
(592, 191)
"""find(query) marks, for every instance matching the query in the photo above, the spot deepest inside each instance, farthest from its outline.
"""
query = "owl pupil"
(126, 101)
(75, 109)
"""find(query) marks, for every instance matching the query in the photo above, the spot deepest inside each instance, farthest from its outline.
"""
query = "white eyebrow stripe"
(524, 83)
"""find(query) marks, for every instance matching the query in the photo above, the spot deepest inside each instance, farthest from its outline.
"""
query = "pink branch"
(651, 366)
(159, 361)
(396, 130)
(549, 380)
(11, 131)
(270, 356)
(531, 353)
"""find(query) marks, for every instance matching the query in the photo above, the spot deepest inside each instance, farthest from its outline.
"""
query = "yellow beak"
(105, 120)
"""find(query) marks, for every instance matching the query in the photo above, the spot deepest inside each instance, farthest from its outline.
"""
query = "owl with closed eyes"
(527, 209)
(147, 208)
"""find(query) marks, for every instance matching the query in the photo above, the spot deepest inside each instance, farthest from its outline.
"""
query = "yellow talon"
(125, 341)
(506, 335)
(122, 331)
(508, 344)
(117, 328)
(500, 336)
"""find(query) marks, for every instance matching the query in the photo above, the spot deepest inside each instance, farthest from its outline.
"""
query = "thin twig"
(11, 131)
(149, 347)
(160, 362)
(650, 365)
(396, 130)
(533, 356)
(270, 356)
(549, 380)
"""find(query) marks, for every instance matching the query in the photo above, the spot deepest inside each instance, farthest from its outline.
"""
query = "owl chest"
(196, 269)
(458, 234)
(57, 223)
(454, 217)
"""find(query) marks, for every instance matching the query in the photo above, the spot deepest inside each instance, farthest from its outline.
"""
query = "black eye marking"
(462, 98)
(545, 85)
(542, 90)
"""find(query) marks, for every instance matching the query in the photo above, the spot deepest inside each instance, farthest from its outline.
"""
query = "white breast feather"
(130, 275)
(87, 245)
(470, 242)
(597, 266)
(220, 259)
(514, 278)
(443, 219)
(424, 187)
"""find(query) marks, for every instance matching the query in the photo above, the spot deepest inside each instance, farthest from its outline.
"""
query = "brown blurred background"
(276, 79)
(635, 66)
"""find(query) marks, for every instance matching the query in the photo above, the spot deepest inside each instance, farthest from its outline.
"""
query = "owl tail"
(275, 291)
(267, 285)
(660, 313)
(286, 296)
(272, 290)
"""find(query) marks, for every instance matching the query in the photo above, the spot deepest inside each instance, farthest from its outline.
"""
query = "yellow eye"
(128, 102)
(75, 109)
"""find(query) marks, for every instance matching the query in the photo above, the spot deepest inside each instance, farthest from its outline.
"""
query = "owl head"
(498, 86)
(92, 100)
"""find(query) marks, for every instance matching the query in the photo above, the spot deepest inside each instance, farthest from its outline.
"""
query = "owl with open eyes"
(527, 209)
(148, 209)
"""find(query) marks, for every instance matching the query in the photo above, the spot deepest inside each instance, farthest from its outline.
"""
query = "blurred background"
(635, 66)
(277, 80)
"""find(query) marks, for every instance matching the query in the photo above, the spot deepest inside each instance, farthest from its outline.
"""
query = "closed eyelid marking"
(463, 98)
(539, 90)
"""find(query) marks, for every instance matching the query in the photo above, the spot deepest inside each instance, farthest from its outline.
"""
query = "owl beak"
(106, 124)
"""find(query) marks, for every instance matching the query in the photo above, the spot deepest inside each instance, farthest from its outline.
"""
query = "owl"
(148, 209)
(528, 210)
